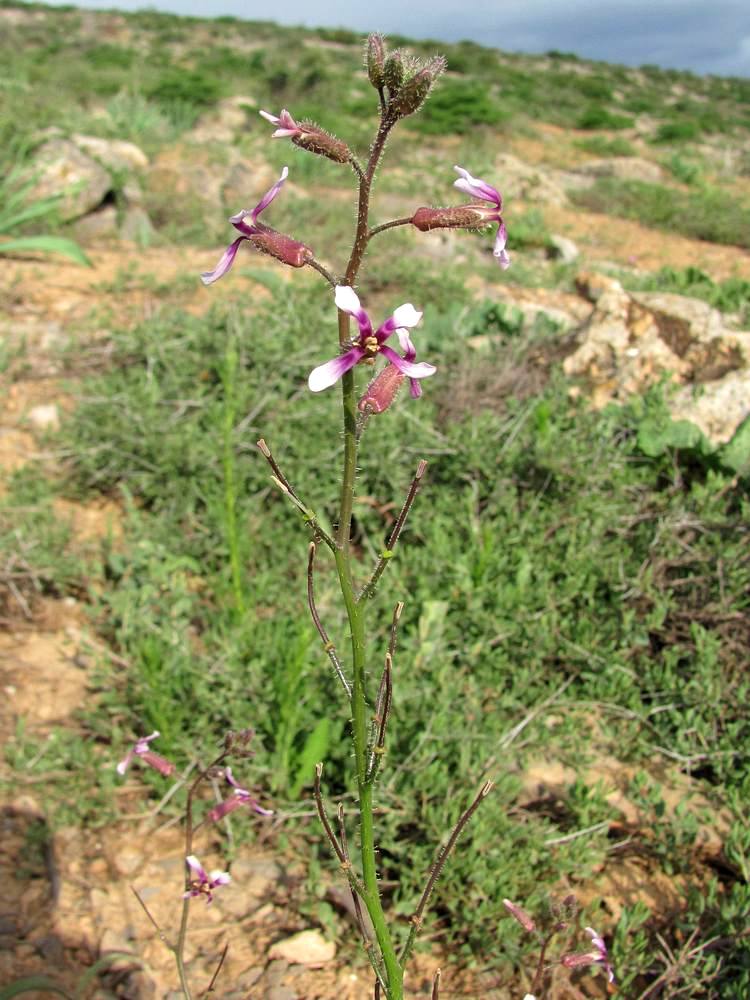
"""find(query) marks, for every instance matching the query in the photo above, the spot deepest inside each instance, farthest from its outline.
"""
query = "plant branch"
(317, 266)
(328, 646)
(388, 225)
(284, 485)
(215, 976)
(369, 589)
(437, 868)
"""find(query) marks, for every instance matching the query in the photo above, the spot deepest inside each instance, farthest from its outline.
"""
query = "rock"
(114, 943)
(114, 154)
(128, 860)
(519, 180)
(44, 417)
(717, 408)
(625, 168)
(305, 948)
(631, 341)
(564, 249)
(224, 121)
(60, 168)
(100, 224)
(136, 226)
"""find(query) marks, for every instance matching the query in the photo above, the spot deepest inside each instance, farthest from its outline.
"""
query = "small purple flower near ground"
(203, 883)
(148, 756)
(478, 188)
(284, 248)
(368, 345)
(239, 797)
(599, 956)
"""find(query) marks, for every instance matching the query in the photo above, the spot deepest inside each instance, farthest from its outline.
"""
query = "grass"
(708, 213)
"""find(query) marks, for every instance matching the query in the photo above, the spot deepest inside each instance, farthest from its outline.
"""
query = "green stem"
(355, 613)
(229, 378)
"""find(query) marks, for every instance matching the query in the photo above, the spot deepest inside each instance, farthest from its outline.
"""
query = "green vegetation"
(707, 213)
(513, 603)
(730, 296)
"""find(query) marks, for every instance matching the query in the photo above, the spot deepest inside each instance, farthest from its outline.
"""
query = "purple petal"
(227, 259)
(499, 251)
(238, 221)
(406, 315)
(410, 351)
(419, 370)
(222, 809)
(268, 197)
(326, 375)
(288, 124)
(476, 187)
(347, 301)
(197, 868)
(415, 388)
(125, 762)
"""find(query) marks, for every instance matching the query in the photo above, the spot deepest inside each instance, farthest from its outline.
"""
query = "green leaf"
(46, 244)
(314, 750)
(658, 434)
(33, 984)
(735, 454)
(104, 963)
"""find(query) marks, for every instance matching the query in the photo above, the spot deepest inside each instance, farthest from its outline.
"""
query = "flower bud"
(413, 93)
(376, 60)
(316, 140)
(282, 247)
(393, 72)
(381, 392)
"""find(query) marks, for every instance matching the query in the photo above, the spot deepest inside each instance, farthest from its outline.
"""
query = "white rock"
(306, 948)
(115, 154)
(60, 168)
(44, 417)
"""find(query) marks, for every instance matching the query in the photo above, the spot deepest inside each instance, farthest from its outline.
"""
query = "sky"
(682, 34)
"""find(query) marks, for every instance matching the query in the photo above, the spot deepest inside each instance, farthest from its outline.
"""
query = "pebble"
(44, 417)
(305, 948)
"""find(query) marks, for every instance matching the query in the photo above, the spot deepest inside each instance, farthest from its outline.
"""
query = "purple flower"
(239, 797)
(368, 345)
(288, 127)
(599, 956)
(148, 756)
(203, 883)
(481, 189)
(284, 248)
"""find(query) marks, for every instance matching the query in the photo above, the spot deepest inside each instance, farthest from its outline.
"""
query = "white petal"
(407, 315)
(346, 299)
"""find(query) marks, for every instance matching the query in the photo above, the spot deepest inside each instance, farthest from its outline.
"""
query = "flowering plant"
(402, 87)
